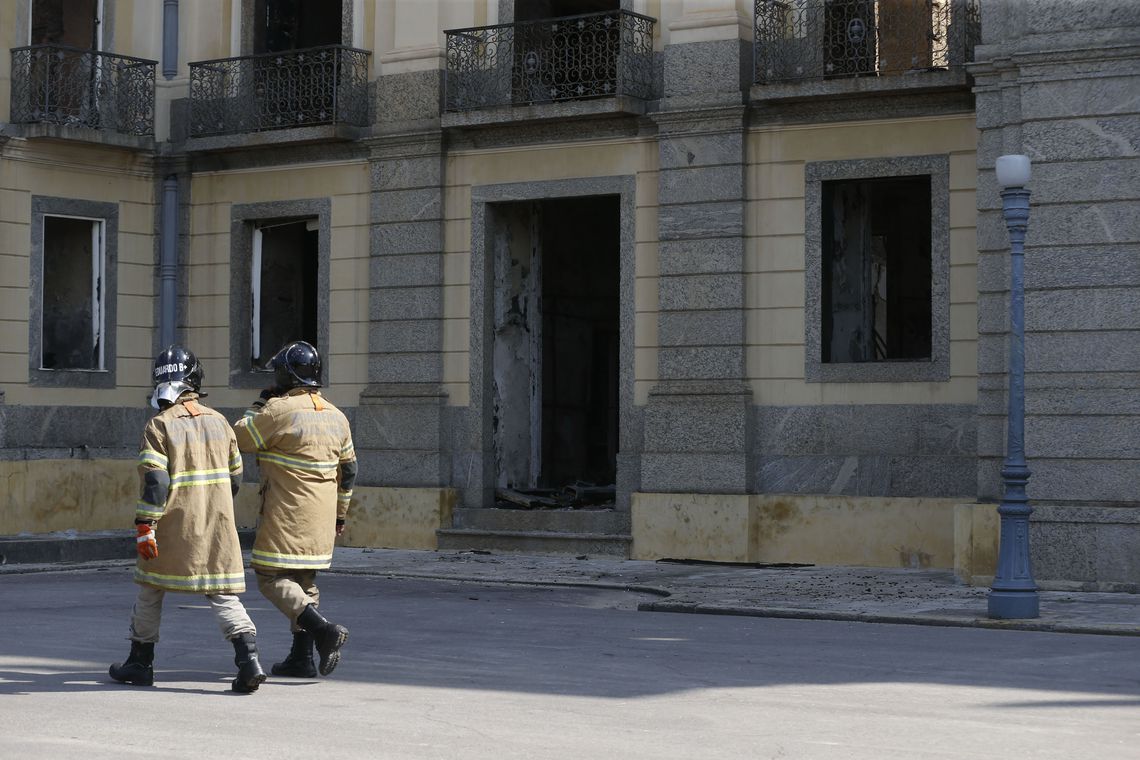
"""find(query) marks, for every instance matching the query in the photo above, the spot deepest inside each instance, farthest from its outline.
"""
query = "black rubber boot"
(299, 662)
(139, 667)
(329, 638)
(250, 675)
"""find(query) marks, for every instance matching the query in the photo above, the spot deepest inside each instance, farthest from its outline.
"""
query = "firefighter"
(308, 465)
(190, 469)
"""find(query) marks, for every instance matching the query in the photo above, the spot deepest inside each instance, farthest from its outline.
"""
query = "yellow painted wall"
(44, 496)
(398, 518)
(213, 195)
(774, 258)
(52, 495)
(977, 530)
(774, 249)
(66, 170)
(815, 529)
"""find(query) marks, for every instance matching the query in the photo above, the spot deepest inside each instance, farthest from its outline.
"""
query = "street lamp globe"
(1013, 171)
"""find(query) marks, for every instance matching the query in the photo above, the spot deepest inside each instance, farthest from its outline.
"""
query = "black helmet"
(297, 364)
(176, 371)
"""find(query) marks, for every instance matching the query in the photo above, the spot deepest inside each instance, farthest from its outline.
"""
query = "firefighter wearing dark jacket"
(190, 469)
(308, 465)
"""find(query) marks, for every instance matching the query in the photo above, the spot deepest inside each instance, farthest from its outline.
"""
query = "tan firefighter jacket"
(198, 549)
(308, 464)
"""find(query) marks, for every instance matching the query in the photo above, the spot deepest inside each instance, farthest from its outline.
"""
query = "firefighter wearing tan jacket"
(308, 465)
(189, 467)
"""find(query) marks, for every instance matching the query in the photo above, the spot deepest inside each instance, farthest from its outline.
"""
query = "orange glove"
(146, 543)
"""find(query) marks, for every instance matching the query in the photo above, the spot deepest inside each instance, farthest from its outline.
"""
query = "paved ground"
(511, 671)
(923, 597)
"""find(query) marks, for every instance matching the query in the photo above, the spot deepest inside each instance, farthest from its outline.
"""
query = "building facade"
(712, 279)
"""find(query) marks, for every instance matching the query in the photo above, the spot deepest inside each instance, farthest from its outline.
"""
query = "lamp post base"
(1013, 605)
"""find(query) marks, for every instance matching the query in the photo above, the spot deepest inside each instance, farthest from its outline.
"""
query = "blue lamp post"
(1014, 593)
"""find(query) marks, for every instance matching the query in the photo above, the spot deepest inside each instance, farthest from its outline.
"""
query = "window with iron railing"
(592, 55)
(824, 39)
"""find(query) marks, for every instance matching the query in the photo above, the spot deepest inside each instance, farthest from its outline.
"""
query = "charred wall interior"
(556, 334)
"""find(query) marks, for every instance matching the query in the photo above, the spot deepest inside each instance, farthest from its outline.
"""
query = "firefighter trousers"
(146, 617)
(290, 591)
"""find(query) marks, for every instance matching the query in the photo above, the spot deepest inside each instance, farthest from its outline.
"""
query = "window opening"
(282, 25)
(535, 10)
(876, 270)
(284, 270)
(72, 322)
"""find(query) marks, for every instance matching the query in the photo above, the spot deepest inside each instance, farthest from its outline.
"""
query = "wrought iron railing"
(298, 88)
(594, 55)
(56, 84)
(818, 39)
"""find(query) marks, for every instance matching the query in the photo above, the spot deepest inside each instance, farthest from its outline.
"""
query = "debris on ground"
(578, 495)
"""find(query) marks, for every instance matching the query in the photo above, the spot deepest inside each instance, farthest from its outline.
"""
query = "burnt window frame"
(244, 220)
(108, 215)
(937, 367)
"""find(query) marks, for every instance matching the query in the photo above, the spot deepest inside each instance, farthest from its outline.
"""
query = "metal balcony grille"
(297, 88)
(594, 55)
(819, 39)
(55, 84)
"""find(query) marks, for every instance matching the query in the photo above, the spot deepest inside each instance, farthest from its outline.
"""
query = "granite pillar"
(697, 429)
(399, 425)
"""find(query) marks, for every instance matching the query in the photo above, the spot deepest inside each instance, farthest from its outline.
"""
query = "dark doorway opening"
(62, 84)
(74, 23)
(580, 338)
(282, 25)
(536, 10)
(556, 350)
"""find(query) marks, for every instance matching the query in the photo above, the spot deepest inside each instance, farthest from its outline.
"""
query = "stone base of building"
(819, 530)
(1085, 548)
(86, 495)
(51, 495)
(1073, 547)
(398, 518)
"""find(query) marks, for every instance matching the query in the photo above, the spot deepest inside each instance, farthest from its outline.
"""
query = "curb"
(875, 617)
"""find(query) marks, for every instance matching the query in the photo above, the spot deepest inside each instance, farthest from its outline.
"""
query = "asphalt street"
(441, 669)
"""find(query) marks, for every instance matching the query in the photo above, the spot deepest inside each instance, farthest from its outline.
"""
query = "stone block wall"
(1057, 82)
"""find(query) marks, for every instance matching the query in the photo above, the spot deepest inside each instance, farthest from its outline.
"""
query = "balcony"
(71, 93)
(319, 93)
(805, 47)
(551, 68)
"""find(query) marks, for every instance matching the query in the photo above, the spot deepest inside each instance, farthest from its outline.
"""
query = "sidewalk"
(877, 595)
